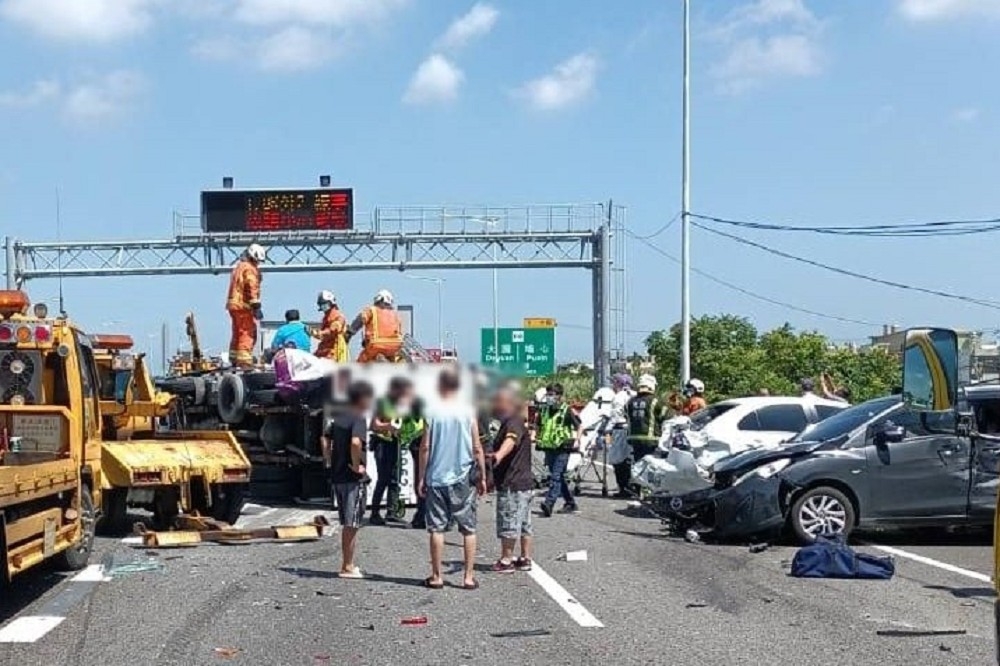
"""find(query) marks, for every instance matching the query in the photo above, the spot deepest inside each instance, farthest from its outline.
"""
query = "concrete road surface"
(639, 598)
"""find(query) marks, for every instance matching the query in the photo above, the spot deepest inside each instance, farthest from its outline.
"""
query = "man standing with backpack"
(558, 436)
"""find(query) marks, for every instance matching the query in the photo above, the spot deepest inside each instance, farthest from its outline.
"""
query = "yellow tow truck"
(203, 472)
(931, 387)
(50, 439)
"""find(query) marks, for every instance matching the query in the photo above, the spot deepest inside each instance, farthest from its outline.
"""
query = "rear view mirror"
(930, 369)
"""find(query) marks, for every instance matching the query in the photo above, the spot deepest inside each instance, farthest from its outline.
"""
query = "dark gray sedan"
(876, 464)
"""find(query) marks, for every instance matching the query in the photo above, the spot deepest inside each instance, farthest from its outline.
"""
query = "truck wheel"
(260, 381)
(821, 510)
(77, 556)
(179, 386)
(165, 509)
(232, 399)
(114, 518)
(227, 501)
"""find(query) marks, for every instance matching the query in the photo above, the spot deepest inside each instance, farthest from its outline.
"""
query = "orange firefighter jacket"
(331, 333)
(244, 287)
(382, 325)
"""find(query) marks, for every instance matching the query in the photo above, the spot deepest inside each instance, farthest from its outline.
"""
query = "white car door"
(770, 425)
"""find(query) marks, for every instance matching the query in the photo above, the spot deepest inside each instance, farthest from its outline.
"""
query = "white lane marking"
(132, 541)
(559, 594)
(93, 574)
(975, 575)
(29, 628)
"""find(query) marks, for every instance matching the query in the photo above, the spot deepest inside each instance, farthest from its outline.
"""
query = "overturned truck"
(279, 430)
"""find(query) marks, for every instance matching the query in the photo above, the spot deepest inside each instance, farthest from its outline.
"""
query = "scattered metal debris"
(414, 620)
(917, 633)
(759, 547)
(525, 633)
(573, 556)
(202, 530)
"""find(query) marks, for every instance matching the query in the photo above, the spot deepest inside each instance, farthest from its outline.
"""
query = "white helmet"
(697, 386)
(324, 297)
(257, 252)
(541, 394)
(647, 382)
(383, 296)
(604, 396)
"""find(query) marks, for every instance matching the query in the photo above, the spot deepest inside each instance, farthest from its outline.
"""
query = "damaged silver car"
(876, 464)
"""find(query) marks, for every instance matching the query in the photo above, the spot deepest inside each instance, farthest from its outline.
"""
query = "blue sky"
(804, 111)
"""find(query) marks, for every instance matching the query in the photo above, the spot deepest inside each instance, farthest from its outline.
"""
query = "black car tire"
(232, 399)
(258, 381)
(838, 506)
(179, 386)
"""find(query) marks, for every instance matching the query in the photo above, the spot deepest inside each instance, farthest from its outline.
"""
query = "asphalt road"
(660, 600)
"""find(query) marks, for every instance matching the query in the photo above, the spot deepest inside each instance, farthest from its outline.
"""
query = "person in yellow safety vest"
(383, 330)
(243, 305)
(331, 333)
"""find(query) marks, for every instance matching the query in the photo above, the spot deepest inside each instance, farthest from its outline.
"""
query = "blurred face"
(503, 404)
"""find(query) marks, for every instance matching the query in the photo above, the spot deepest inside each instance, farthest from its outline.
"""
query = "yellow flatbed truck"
(169, 473)
(50, 439)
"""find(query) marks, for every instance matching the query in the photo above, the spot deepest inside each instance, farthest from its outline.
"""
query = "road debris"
(226, 652)
(919, 633)
(113, 567)
(759, 547)
(692, 536)
(204, 531)
(696, 604)
(525, 633)
(415, 620)
(573, 556)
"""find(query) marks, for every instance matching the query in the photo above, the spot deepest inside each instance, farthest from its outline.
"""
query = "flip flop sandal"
(473, 586)
(429, 583)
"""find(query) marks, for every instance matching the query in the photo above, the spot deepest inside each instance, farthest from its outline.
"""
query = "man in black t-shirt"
(514, 481)
(344, 455)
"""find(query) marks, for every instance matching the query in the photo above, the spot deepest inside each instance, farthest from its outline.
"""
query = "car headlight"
(764, 471)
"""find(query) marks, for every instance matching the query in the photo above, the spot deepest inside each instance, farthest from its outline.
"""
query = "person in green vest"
(646, 414)
(558, 435)
(396, 426)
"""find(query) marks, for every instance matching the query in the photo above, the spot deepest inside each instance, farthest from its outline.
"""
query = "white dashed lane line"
(944, 566)
(31, 628)
(566, 601)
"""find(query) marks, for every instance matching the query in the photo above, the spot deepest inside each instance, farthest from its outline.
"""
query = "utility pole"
(686, 205)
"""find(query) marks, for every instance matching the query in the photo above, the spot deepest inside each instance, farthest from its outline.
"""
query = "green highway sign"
(527, 352)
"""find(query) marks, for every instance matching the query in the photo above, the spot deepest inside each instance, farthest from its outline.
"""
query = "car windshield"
(847, 421)
(703, 417)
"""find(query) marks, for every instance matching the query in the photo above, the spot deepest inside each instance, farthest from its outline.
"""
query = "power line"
(907, 229)
(751, 294)
(661, 230)
(843, 271)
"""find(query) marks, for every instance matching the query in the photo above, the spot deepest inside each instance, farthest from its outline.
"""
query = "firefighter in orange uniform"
(383, 330)
(243, 304)
(331, 333)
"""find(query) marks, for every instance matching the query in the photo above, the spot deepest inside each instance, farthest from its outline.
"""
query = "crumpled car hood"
(751, 459)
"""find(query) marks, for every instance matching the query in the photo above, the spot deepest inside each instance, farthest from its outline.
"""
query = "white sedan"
(693, 445)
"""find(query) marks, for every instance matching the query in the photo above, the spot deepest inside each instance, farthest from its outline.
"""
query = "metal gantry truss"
(588, 236)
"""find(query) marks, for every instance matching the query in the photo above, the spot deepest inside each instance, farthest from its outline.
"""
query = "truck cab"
(50, 438)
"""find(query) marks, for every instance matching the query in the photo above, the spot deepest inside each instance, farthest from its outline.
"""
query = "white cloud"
(477, 22)
(753, 60)
(39, 93)
(932, 10)
(102, 98)
(89, 101)
(340, 13)
(968, 114)
(80, 20)
(569, 83)
(765, 40)
(294, 48)
(436, 80)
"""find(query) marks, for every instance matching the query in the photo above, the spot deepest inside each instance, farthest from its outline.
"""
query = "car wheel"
(821, 510)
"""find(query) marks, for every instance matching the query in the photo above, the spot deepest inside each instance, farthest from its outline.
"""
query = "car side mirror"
(890, 434)
(930, 369)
